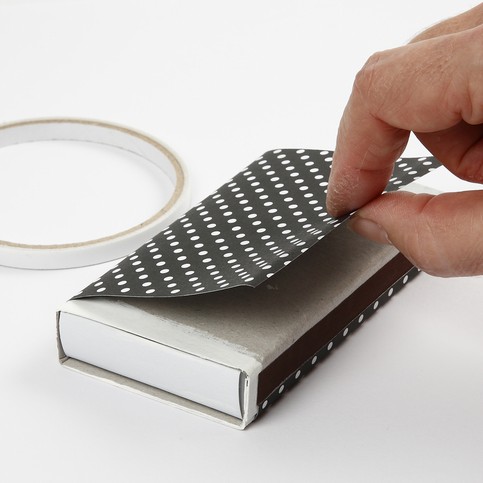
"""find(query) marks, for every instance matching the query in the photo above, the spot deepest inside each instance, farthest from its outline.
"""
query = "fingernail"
(369, 229)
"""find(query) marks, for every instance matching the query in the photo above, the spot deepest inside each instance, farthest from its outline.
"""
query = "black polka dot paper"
(243, 233)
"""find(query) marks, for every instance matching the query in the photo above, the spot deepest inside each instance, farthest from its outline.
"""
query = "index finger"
(420, 87)
(364, 157)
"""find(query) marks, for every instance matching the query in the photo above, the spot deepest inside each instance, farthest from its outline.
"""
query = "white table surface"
(401, 400)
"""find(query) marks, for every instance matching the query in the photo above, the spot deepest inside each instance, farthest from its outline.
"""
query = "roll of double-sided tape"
(110, 247)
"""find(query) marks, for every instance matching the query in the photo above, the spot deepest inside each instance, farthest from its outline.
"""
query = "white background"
(220, 82)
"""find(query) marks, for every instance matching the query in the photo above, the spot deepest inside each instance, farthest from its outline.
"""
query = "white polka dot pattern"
(242, 234)
(293, 379)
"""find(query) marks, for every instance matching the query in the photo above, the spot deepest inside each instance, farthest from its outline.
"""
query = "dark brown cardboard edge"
(324, 331)
(295, 377)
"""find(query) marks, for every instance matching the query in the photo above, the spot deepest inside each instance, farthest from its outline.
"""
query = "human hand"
(433, 87)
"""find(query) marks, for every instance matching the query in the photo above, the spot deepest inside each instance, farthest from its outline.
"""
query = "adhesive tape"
(110, 247)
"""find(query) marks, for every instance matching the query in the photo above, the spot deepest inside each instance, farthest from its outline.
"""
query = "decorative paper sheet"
(243, 233)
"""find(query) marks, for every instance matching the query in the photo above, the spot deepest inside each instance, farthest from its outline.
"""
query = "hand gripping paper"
(243, 233)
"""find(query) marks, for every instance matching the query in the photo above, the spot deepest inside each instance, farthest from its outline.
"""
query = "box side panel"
(301, 358)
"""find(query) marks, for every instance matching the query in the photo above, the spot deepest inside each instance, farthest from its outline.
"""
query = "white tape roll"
(109, 247)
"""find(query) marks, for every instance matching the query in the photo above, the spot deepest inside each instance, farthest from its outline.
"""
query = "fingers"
(426, 87)
(467, 20)
(461, 149)
(442, 235)
(363, 159)
(431, 87)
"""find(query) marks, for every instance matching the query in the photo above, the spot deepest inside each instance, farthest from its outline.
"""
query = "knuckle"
(373, 82)
(365, 78)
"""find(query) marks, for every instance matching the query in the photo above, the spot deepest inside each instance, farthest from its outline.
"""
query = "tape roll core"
(111, 247)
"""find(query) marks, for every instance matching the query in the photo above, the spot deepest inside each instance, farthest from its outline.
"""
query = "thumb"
(442, 234)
